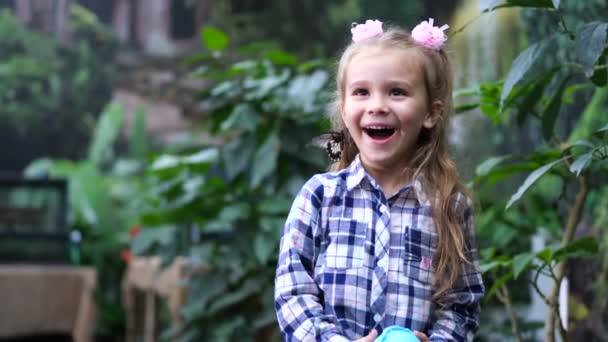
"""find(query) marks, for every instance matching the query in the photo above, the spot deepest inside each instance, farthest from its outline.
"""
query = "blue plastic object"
(395, 333)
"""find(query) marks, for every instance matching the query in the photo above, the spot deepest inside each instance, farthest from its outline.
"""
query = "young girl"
(387, 238)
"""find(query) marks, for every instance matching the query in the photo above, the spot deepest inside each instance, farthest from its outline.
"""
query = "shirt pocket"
(417, 256)
(346, 248)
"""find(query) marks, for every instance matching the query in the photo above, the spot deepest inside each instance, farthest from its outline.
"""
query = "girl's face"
(385, 105)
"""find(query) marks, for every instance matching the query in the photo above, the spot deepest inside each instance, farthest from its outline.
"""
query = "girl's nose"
(377, 105)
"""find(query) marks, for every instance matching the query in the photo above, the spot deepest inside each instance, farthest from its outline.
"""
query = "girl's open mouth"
(379, 132)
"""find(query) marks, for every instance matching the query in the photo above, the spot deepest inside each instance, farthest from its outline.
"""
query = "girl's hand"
(421, 336)
(369, 338)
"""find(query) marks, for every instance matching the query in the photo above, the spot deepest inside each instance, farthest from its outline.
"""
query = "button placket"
(381, 251)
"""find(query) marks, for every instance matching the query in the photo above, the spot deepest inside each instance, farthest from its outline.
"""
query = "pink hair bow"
(430, 36)
(370, 29)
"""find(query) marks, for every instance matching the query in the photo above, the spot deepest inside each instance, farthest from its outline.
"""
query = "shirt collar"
(356, 174)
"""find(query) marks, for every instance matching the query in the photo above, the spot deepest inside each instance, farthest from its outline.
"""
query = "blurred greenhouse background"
(150, 151)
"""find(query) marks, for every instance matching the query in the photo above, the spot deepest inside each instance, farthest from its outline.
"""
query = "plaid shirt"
(352, 260)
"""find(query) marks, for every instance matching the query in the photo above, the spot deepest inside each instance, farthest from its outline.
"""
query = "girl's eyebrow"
(400, 82)
(358, 83)
(392, 83)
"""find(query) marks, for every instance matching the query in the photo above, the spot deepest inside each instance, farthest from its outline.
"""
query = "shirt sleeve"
(298, 299)
(458, 318)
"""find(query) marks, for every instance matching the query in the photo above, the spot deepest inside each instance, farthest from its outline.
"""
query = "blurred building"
(163, 28)
(157, 33)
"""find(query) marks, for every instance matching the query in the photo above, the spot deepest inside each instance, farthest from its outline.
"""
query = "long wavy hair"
(431, 158)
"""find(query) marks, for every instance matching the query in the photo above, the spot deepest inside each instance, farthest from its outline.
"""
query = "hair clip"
(371, 28)
(430, 36)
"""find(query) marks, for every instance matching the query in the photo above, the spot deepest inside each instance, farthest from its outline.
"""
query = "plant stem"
(574, 217)
(570, 34)
(505, 298)
(535, 284)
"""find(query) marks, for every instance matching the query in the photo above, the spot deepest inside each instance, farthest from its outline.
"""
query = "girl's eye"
(360, 92)
(397, 92)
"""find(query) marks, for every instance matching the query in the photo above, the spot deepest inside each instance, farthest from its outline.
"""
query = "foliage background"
(223, 204)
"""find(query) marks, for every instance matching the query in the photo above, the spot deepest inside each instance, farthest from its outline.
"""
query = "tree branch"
(502, 293)
(574, 217)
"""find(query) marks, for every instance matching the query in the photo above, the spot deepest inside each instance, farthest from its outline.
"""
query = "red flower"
(134, 231)
(126, 255)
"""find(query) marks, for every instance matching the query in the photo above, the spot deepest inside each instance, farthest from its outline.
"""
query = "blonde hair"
(431, 157)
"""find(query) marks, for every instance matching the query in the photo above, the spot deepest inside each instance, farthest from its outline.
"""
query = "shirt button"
(382, 263)
(377, 317)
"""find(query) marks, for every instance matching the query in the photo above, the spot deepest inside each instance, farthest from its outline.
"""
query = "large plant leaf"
(237, 153)
(522, 67)
(583, 247)
(147, 238)
(106, 131)
(264, 247)
(534, 95)
(590, 44)
(138, 143)
(531, 179)
(551, 112)
(580, 163)
(489, 164)
(265, 160)
(243, 116)
(521, 262)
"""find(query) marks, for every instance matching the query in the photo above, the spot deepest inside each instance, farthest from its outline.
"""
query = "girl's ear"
(434, 114)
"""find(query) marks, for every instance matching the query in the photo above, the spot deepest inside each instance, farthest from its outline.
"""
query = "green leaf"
(165, 161)
(264, 248)
(521, 262)
(486, 267)
(590, 44)
(463, 108)
(600, 76)
(205, 156)
(489, 164)
(498, 283)
(498, 174)
(496, 4)
(243, 116)
(531, 179)
(489, 101)
(233, 212)
(580, 163)
(585, 143)
(522, 66)
(583, 247)
(150, 236)
(545, 255)
(214, 39)
(605, 128)
(237, 153)
(274, 206)
(281, 57)
(106, 132)
(533, 95)
(549, 115)
(250, 287)
(265, 160)
(137, 143)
